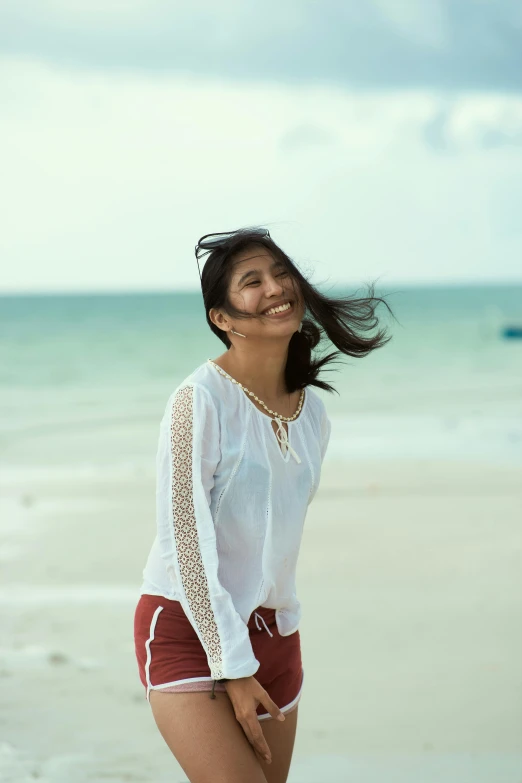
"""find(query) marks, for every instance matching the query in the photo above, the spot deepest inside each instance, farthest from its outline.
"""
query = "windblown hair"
(343, 320)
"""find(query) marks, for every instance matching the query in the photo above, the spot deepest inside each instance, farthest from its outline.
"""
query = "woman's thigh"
(280, 736)
(206, 738)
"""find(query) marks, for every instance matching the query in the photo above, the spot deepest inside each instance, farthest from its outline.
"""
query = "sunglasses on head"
(212, 241)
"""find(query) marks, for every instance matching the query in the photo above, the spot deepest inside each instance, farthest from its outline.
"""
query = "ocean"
(84, 379)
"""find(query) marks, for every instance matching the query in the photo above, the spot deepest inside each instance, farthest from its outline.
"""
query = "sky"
(377, 141)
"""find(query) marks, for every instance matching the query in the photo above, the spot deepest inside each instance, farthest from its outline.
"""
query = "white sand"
(410, 578)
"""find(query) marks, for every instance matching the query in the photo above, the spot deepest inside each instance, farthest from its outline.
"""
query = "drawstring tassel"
(282, 437)
(212, 694)
(259, 617)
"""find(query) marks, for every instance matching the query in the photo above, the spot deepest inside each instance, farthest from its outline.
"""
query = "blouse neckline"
(266, 415)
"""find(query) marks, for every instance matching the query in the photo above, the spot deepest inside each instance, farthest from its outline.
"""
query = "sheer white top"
(230, 508)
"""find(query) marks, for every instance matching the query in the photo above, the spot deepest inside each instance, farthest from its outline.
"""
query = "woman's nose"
(274, 287)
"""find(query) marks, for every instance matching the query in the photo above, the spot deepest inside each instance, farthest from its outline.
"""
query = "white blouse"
(231, 500)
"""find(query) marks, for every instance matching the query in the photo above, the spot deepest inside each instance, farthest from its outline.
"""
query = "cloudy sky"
(376, 140)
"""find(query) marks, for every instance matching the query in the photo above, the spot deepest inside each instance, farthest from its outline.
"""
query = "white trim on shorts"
(147, 647)
(287, 707)
(264, 716)
(180, 682)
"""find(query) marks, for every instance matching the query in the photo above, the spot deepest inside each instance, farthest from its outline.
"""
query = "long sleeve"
(326, 428)
(322, 433)
(188, 454)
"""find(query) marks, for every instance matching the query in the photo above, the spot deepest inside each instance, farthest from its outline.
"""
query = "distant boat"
(512, 332)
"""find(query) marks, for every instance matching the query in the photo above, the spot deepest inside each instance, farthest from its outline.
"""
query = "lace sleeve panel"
(192, 571)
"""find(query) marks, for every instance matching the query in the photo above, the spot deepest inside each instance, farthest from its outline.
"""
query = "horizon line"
(444, 283)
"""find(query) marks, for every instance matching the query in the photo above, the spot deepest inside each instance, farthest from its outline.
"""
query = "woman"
(239, 459)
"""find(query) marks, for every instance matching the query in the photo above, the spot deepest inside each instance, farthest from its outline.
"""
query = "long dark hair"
(343, 320)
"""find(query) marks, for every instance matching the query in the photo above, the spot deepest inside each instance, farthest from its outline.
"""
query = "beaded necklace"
(277, 415)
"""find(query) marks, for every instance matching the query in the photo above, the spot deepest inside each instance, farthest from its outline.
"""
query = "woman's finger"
(255, 736)
(270, 706)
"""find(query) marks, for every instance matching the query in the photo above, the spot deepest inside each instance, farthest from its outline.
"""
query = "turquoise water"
(85, 378)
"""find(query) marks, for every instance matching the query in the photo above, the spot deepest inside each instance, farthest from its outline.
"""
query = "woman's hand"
(246, 694)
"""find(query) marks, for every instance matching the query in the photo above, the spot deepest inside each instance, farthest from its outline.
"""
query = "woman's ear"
(219, 319)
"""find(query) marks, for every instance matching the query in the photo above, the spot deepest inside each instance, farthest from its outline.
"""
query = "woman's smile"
(279, 312)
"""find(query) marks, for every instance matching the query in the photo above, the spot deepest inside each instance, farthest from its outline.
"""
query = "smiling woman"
(241, 447)
(237, 267)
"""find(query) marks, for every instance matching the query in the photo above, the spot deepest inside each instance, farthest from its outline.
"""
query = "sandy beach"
(410, 582)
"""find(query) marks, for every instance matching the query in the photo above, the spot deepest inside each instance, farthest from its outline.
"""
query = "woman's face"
(259, 283)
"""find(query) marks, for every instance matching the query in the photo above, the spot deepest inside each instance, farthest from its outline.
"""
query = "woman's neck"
(261, 372)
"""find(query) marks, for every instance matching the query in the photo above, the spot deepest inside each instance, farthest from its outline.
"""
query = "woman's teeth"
(280, 309)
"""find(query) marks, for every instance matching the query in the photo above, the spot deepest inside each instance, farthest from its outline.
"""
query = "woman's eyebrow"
(257, 272)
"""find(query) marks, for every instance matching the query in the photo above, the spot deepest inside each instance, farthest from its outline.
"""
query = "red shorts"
(172, 659)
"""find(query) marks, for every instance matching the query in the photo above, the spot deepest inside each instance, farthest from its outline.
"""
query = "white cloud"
(108, 181)
(437, 44)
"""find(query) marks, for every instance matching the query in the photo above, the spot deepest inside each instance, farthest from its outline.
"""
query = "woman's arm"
(188, 455)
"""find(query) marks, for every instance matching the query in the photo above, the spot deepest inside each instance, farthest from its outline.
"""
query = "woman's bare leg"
(280, 737)
(206, 738)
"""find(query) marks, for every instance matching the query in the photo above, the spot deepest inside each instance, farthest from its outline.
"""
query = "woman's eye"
(256, 282)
